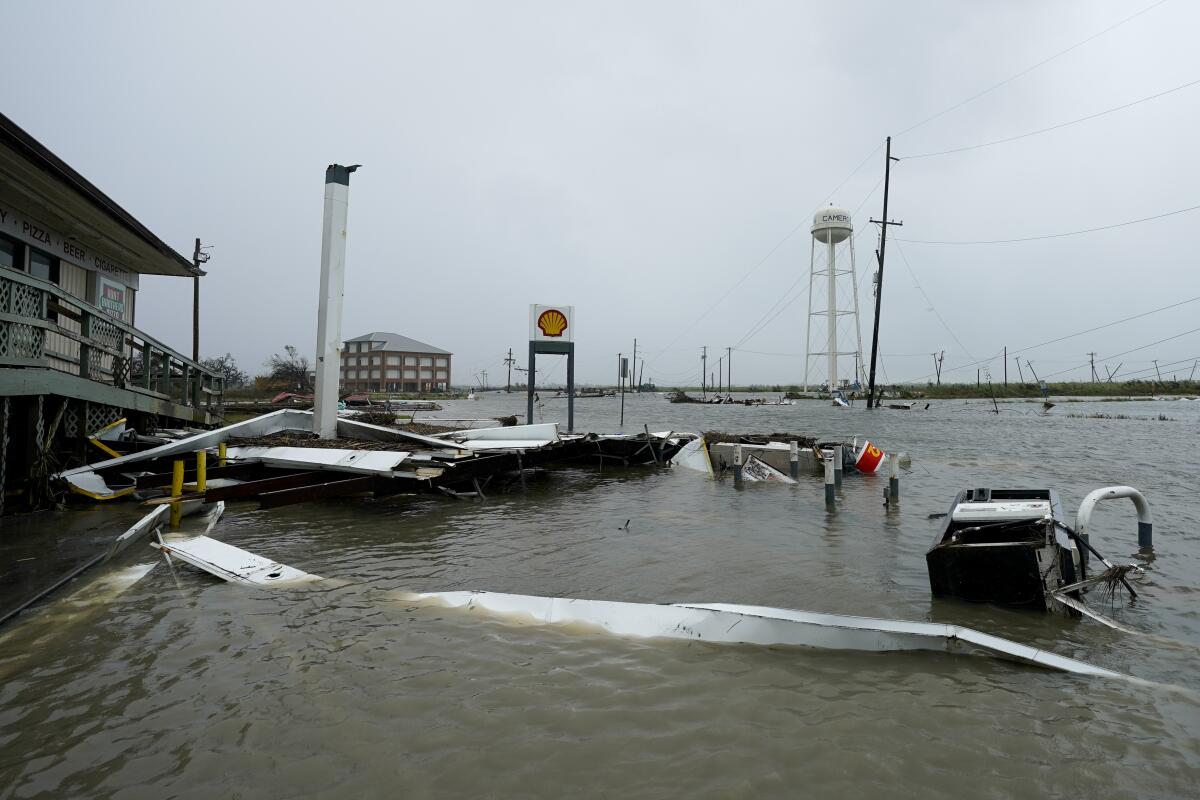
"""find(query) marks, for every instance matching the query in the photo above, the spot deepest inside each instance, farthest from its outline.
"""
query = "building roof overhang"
(46, 186)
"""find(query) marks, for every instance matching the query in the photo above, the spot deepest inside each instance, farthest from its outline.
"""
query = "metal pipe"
(1145, 524)
(830, 491)
(737, 464)
(894, 478)
(837, 466)
(221, 454)
(794, 460)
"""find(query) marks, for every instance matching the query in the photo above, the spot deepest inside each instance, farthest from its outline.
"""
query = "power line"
(1030, 348)
(1052, 127)
(803, 221)
(1057, 235)
(932, 308)
(1030, 69)
(1127, 352)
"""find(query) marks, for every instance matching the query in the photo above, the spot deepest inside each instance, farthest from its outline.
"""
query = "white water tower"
(832, 250)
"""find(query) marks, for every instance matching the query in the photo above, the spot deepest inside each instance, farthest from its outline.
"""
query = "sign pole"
(329, 304)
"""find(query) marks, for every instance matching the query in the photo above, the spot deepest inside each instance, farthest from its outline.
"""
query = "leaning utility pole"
(509, 361)
(1156, 372)
(1092, 361)
(879, 256)
(634, 362)
(1019, 372)
(937, 365)
(198, 257)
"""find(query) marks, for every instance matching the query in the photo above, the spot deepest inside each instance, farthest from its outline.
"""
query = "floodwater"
(183, 686)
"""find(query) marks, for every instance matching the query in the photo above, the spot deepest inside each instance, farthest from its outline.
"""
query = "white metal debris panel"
(738, 624)
(363, 462)
(510, 444)
(546, 431)
(232, 563)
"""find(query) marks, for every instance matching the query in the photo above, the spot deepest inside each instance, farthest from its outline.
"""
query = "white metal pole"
(831, 322)
(858, 359)
(329, 306)
(812, 254)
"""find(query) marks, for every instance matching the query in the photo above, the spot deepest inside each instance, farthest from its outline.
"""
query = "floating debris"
(1012, 547)
(233, 564)
(725, 623)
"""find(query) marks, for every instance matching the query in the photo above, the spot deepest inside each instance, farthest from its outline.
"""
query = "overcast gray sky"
(637, 160)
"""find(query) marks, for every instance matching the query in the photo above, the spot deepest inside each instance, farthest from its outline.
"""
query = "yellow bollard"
(201, 469)
(221, 454)
(176, 491)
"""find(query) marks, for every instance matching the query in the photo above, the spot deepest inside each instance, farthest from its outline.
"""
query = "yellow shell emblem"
(552, 323)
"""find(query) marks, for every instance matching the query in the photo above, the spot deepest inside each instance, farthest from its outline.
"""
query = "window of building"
(426, 373)
(351, 374)
(393, 373)
(442, 362)
(12, 254)
(441, 373)
(426, 362)
(410, 373)
(410, 361)
(375, 374)
(393, 361)
(375, 361)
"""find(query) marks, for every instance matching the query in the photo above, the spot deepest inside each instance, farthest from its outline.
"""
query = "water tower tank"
(831, 225)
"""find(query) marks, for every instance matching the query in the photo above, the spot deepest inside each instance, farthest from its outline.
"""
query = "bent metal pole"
(329, 304)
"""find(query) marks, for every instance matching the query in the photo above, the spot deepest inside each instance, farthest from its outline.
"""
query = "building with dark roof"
(388, 362)
(71, 358)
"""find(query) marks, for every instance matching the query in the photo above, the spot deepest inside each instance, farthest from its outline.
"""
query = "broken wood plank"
(263, 485)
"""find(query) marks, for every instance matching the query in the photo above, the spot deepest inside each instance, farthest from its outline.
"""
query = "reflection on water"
(205, 689)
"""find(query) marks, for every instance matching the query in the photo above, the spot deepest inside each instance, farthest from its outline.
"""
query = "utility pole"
(1156, 372)
(198, 257)
(1029, 364)
(937, 365)
(729, 369)
(720, 374)
(1092, 361)
(879, 255)
(703, 370)
(1005, 367)
(509, 361)
(1113, 373)
(1019, 372)
(634, 362)
(1193, 370)
(977, 370)
(621, 380)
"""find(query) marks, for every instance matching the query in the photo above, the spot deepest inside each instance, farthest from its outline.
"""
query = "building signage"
(551, 323)
(31, 232)
(111, 297)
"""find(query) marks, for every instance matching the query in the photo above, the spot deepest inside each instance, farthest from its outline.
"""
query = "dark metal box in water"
(1004, 546)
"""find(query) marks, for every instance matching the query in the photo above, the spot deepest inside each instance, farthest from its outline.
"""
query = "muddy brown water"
(182, 686)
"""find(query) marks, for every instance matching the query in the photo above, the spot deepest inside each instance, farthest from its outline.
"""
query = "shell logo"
(552, 322)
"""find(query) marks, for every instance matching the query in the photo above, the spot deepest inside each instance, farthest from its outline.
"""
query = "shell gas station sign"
(551, 323)
(551, 332)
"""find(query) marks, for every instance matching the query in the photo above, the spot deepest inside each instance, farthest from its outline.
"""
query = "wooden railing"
(43, 326)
